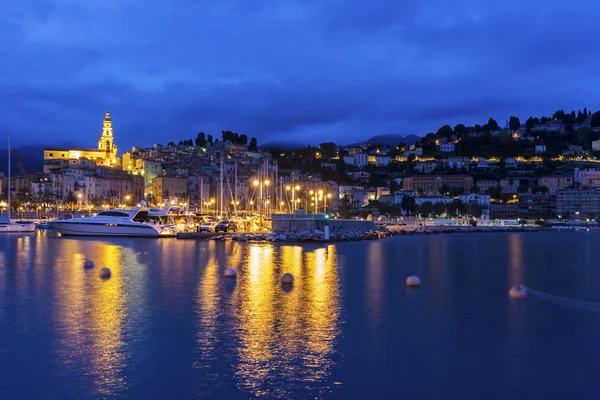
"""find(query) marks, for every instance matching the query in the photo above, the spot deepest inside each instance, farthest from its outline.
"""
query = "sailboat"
(6, 224)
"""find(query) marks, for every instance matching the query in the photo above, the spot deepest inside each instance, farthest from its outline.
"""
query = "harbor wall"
(311, 222)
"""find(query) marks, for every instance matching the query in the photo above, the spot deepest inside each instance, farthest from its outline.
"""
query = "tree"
(408, 203)
(494, 192)
(201, 140)
(493, 125)
(210, 140)
(596, 119)
(455, 208)
(460, 129)
(539, 189)
(445, 190)
(71, 198)
(445, 131)
(475, 210)
(328, 149)
(585, 111)
(477, 128)
(439, 209)
(559, 114)
(253, 145)
(171, 144)
(522, 189)
(514, 123)
(426, 209)
(243, 140)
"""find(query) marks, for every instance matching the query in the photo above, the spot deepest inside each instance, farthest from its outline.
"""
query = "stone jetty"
(346, 235)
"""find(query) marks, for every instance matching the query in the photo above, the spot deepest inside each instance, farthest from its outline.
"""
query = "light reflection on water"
(168, 324)
(89, 314)
(280, 334)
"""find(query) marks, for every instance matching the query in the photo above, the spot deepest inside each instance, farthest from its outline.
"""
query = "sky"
(288, 71)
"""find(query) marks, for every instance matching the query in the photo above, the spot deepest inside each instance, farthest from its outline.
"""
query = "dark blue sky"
(299, 71)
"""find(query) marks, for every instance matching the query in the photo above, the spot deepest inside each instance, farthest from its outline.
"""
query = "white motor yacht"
(115, 222)
(6, 225)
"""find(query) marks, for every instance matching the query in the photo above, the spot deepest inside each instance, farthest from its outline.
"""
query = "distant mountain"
(394, 139)
(282, 145)
(31, 155)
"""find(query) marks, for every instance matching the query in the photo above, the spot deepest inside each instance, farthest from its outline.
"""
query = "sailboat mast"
(221, 194)
(8, 186)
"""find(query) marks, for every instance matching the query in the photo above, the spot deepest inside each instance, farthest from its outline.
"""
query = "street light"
(293, 189)
(261, 205)
(328, 196)
(127, 198)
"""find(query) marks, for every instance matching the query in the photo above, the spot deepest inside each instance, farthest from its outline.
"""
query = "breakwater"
(347, 235)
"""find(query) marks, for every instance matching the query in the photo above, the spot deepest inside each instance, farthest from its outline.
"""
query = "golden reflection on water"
(516, 312)
(90, 314)
(286, 334)
(515, 249)
(208, 307)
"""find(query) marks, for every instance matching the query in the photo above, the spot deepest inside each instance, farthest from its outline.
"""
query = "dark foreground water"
(168, 325)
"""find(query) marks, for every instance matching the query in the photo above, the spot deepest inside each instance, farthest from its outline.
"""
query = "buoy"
(287, 279)
(105, 273)
(413, 281)
(517, 292)
(88, 264)
(230, 273)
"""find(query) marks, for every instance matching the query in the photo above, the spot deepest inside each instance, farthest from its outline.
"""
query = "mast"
(221, 194)
(202, 195)
(8, 186)
(235, 189)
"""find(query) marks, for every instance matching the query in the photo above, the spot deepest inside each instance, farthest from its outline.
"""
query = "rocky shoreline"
(344, 235)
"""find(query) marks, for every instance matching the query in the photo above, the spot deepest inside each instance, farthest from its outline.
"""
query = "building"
(459, 162)
(578, 204)
(588, 177)
(361, 160)
(165, 188)
(509, 185)
(540, 148)
(447, 147)
(510, 163)
(486, 184)
(430, 185)
(426, 167)
(596, 145)
(362, 176)
(151, 170)
(104, 155)
(500, 210)
(555, 183)
(482, 200)
(537, 206)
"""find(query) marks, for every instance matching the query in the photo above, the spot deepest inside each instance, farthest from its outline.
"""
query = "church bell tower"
(106, 143)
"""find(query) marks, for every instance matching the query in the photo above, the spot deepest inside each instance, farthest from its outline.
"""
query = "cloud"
(288, 70)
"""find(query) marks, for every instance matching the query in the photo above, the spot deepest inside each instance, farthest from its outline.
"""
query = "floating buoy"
(413, 281)
(517, 292)
(230, 273)
(287, 279)
(88, 264)
(105, 273)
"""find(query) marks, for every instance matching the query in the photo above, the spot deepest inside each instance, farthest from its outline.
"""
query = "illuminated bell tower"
(106, 142)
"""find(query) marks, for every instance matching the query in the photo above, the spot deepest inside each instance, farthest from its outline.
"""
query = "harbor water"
(168, 324)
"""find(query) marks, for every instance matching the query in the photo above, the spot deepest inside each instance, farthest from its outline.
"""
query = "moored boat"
(115, 222)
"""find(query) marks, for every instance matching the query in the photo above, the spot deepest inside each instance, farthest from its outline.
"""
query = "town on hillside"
(541, 169)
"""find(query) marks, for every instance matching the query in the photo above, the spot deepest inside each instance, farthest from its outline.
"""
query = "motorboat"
(7, 225)
(114, 222)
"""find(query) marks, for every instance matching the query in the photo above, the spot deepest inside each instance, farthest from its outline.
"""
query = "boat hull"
(104, 229)
(17, 228)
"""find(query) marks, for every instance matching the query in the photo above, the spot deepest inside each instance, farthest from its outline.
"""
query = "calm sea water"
(168, 325)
